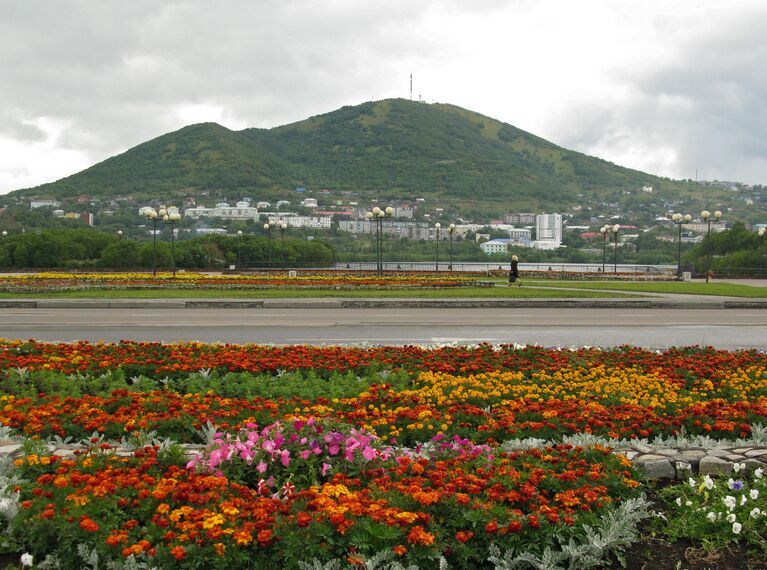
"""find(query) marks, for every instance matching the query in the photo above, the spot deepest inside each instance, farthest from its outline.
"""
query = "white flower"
(737, 467)
(688, 503)
(708, 482)
(759, 472)
(679, 501)
(731, 518)
(730, 502)
(681, 465)
(743, 500)
(691, 482)
(754, 494)
(27, 559)
(755, 512)
(711, 516)
(736, 527)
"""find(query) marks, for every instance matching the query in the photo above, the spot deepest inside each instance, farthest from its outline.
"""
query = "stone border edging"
(654, 463)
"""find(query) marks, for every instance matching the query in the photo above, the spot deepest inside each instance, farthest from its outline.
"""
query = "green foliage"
(731, 250)
(87, 248)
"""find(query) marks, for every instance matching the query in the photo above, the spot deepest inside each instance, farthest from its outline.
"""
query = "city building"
(412, 230)
(519, 219)
(319, 222)
(495, 246)
(702, 227)
(548, 229)
(306, 203)
(44, 204)
(240, 211)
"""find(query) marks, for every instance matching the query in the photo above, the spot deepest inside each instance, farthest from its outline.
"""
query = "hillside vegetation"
(389, 149)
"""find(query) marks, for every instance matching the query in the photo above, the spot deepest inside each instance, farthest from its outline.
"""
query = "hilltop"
(390, 149)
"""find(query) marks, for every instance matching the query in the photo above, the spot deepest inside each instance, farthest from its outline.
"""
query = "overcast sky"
(667, 87)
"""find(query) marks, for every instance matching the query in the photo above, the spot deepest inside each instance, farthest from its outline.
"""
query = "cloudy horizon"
(667, 88)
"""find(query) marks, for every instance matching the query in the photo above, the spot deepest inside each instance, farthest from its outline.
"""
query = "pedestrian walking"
(514, 272)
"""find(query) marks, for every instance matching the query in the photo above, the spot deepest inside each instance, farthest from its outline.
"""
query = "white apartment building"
(240, 211)
(494, 246)
(548, 228)
(44, 204)
(412, 230)
(319, 222)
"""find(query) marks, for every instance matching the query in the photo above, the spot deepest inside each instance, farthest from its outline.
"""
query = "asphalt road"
(723, 328)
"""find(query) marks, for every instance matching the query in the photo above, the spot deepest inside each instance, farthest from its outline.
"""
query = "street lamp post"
(153, 215)
(679, 220)
(605, 231)
(437, 226)
(450, 230)
(239, 248)
(377, 216)
(119, 234)
(268, 228)
(172, 218)
(706, 215)
(615, 229)
(283, 227)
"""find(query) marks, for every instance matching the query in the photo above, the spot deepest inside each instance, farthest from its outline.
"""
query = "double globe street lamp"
(605, 231)
(171, 218)
(152, 215)
(268, 227)
(377, 216)
(706, 215)
(679, 220)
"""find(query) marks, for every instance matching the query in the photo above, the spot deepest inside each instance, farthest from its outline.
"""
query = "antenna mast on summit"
(411, 86)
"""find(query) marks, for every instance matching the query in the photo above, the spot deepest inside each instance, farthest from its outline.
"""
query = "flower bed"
(402, 455)
(51, 282)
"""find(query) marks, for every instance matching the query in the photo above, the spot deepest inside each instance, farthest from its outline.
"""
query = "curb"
(340, 303)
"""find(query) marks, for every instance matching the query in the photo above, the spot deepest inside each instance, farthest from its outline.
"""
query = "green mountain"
(391, 149)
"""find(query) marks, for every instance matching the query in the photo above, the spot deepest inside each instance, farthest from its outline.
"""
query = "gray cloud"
(114, 74)
(706, 102)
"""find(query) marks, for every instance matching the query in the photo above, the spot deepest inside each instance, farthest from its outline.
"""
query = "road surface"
(650, 328)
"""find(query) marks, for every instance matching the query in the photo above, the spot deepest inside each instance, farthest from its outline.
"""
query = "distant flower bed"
(49, 282)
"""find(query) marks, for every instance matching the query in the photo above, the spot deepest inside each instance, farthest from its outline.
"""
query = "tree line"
(90, 249)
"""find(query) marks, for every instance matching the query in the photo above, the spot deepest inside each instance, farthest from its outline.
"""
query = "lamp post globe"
(119, 234)
(760, 233)
(389, 211)
(5, 233)
(376, 211)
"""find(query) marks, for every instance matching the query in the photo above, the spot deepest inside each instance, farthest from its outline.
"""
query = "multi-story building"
(702, 227)
(519, 219)
(494, 246)
(319, 222)
(44, 204)
(240, 211)
(548, 228)
(412, 230)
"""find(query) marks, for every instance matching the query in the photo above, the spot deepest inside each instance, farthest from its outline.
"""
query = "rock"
(64, 452)
(10, 449)
(752, 464)
(693, 453)
(642, 448)
(756, 453)
(713, 465)
(657, 469)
